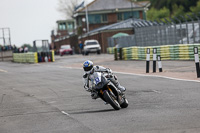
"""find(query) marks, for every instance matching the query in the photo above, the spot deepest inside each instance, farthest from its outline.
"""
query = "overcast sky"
(29, 20)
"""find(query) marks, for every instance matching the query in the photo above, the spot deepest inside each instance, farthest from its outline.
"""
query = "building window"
(136, 14)
(79, 21)
(127, 15)
(120, 16)
(62, 26)
(97, 18)
(94, 19)
(144, 16)
(70, 26)
(104, 18)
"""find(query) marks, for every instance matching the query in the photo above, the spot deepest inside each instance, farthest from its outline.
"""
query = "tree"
(154, 14)
(196, 9)
(67, 7)
(161, 9)
(158, 4)
(177, 10)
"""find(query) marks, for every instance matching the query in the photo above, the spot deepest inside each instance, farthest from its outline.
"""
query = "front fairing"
(98, 80)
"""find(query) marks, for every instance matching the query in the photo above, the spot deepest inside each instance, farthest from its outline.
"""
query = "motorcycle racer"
(89, 69)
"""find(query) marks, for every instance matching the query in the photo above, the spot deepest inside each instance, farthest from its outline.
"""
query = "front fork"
(118, 97)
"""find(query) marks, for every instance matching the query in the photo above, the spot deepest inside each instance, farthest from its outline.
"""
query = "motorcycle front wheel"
(124, 104)
(111, 100)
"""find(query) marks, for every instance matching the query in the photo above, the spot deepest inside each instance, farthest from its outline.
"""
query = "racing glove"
(108, 70)
(87, 88)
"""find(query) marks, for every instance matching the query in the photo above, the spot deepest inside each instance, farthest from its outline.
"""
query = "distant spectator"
(11, 47)
(14, 49)
(73, 49)
(4, 48)
(25, 49)
(21, 50)
(81, 47)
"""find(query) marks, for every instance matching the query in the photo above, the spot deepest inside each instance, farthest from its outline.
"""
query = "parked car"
(65, 49)
(91, 46)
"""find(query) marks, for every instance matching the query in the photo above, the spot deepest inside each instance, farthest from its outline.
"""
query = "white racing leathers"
(89, 77)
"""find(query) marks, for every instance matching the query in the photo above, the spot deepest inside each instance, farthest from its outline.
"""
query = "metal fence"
(125, 41)
(148, 33)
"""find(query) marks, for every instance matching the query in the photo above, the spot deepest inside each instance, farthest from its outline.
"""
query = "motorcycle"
(107, 91)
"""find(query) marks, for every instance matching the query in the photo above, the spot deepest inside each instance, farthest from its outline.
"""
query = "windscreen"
(91, 43)
(65, 47)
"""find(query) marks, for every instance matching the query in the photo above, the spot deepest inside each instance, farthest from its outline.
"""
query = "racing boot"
(121, 88)
(106, 103)
(115, 82)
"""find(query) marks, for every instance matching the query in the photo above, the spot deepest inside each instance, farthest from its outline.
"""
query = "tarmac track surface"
(49, 98)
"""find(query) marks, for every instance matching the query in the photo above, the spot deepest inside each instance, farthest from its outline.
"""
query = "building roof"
(68, 20)
(126, 24)
(114, 5)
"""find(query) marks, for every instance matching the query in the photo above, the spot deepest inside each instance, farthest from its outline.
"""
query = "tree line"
(166, 9)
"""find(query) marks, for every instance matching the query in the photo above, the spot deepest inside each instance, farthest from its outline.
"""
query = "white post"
(196, 56)
(154, 59)
(159, 63)
(147, 60)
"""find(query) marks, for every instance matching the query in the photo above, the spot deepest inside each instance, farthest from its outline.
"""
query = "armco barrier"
(167, 52)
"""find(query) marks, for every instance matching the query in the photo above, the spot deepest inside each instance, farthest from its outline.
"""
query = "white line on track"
(144, 75)
(65, 113)
(1, 70)
(158, 76)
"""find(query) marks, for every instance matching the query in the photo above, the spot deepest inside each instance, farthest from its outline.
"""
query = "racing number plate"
(97, 80)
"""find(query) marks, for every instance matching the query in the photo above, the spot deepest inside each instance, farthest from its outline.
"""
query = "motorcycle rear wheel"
(111, 100)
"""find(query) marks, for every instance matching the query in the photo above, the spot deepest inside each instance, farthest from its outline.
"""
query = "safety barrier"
(110, 50)
(167, 52)
(25, 57)
(53, 53)
(33, 57)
